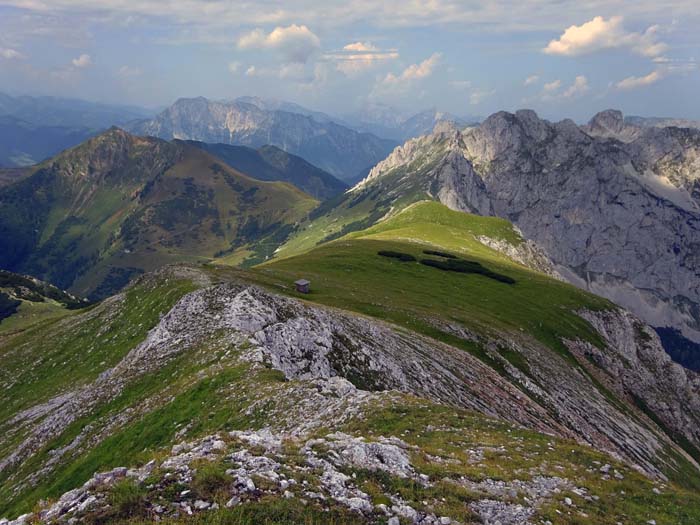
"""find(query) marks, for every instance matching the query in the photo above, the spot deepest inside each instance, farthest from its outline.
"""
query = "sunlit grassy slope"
(348, 273)
(433, 223)
(362, 207)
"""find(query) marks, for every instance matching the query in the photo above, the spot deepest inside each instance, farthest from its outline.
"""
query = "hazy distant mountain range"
(389, 122)
(379, 119)
(273, 104)
(24, 144)
(341, 151)
(661, 122)
(35, 128)
(56, 111)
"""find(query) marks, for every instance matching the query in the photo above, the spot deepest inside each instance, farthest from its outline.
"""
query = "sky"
(562, 58)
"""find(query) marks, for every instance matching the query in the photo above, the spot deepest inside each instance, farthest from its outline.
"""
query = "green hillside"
(274, 164)
(25, 300)
(208, 388)
(362, 207)
(118, 205)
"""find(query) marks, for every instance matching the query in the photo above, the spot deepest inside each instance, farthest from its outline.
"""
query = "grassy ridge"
(81, 346)
(350, 274)
(450, 229)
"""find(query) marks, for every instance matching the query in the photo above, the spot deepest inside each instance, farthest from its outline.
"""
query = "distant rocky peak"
(111, 151)
(505, 132)
(110, 140)
(446, 127)
(523, 124)
(190, 101)
(190, 106)
(533, 126)
(610, 121)
(611, 124)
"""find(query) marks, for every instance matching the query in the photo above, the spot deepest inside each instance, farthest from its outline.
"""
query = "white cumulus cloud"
(578, 88)
(10, 54)
(635, 82)
(82, 61)
(360, 56)
(361, 47)
(552, 86)
(599, 34)
(555, 90)
(532, 79)
(296, 43)
(415, 71)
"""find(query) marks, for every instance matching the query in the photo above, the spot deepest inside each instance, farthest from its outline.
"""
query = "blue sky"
(563, 58)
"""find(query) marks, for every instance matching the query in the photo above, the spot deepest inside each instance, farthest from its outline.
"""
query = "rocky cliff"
(615, 206)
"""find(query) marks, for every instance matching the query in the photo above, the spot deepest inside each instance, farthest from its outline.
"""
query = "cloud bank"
(296, 43)
(599, 34)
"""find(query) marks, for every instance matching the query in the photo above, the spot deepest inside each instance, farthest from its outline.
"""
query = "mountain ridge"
(271, 163)
(222, 390)
(99, 213)
(213, 336)
(68, 112)
(339, 150)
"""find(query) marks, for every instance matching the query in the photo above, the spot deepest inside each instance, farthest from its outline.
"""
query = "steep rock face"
(332, 147)
(526, 253)
(611, 124)
(621, 219)
(640, 371)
